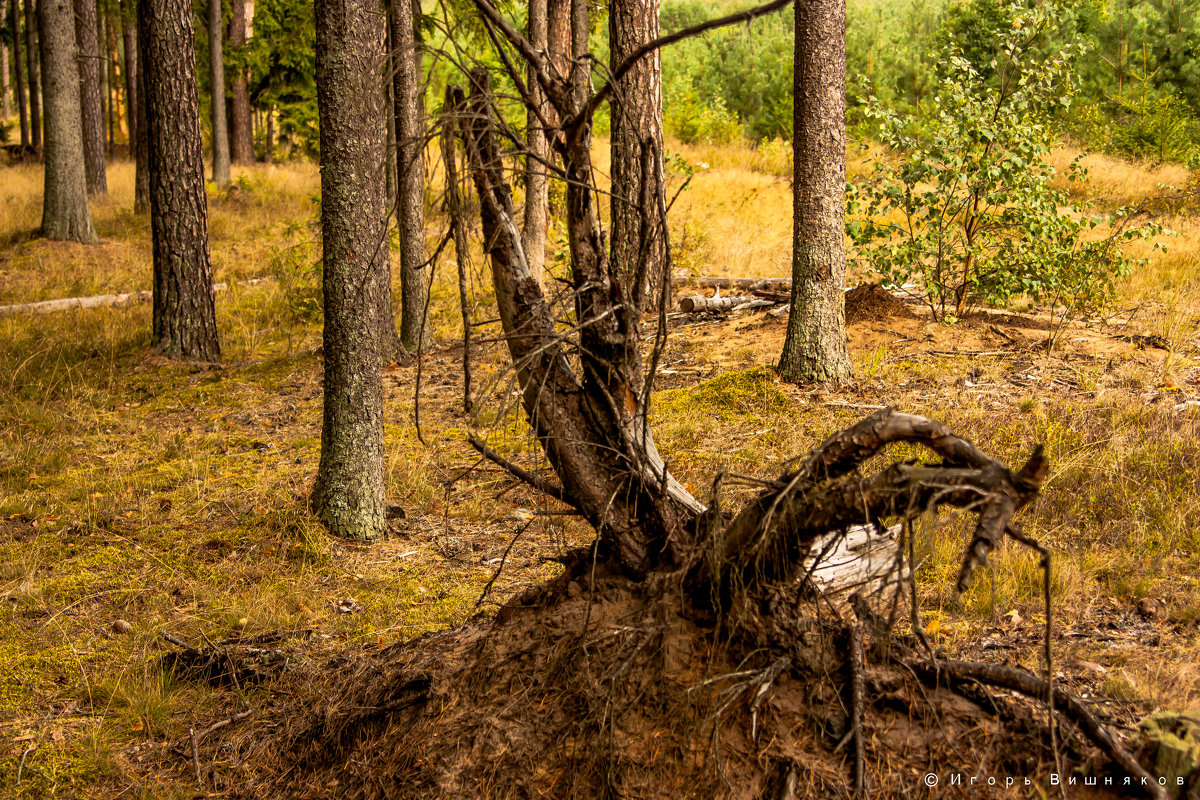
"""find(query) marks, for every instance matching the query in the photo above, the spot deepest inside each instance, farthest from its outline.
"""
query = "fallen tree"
(690, 650)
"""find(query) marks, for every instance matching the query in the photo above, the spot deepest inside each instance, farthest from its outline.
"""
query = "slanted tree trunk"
(815, 347)
(410, 175)
(639, 231)
(130, 62)
(90, 96)
(14, 25)
(185, 324)
(349, 495)
(241, 141)
(65, 213)
(35, 82)
(591, 425)
(216, 57)
(533, 232)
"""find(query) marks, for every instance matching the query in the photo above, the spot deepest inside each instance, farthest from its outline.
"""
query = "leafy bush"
(965, 211)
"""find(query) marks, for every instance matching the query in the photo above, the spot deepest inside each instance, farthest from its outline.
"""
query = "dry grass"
(174, 498)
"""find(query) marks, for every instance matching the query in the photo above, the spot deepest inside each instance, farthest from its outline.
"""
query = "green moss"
(754, 391)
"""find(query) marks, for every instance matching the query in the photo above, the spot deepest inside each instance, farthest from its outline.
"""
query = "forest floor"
(140, 496)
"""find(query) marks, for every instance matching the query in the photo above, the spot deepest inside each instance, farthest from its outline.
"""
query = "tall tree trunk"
(241, 142)
(185, 322)
(350, 489)
(112, 86)
(815, 347)
(269, 147)
(65, 212)
(389, 110)
(639, 231)
(216, 57)
(391, 348)
(132, 81)
(5, 105)
(537, 196)
(410, 175)
(141, 184)
(35, 83)
(14, 25)
(92, 108)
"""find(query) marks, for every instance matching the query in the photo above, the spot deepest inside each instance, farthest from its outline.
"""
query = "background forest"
(184, 605)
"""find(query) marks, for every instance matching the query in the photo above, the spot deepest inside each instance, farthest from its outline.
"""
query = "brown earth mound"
(874, 302)
(623, 691)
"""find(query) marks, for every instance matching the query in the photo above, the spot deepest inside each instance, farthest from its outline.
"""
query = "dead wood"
(771, 536)
(119, 300)
(1033, 686)
(780, 285)
(700, 303)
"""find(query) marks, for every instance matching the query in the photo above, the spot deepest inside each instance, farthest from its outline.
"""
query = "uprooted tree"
(682, 654)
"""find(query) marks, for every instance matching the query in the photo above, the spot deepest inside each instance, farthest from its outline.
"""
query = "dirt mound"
(872, 301)
(622, 692)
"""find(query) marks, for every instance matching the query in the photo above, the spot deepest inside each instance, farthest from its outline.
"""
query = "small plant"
(965, 213)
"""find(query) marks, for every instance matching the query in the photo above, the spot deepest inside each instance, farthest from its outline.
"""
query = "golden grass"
(1116, 181)
(174, 498)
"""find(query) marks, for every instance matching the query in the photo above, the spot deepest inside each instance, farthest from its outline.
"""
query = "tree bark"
(141, 187)
(112, 87)
(35, 83)
(14, 24)
(241, 142)
(185, 325)
(389, 112)
(410, 175)
(5, 105)
(639, 231)
(130, 47)
(533, 232)
(65, 213)
(216, 57)
(269, 147)
(90, 97)
(815, 347)
(592, 426)
(350, 491)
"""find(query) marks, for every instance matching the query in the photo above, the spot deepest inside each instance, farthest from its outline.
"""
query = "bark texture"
(5, 107)
(91, 59)
(216, 59)
(639, 231)
(65, 213)
(185, 324)
(410, 175)
(35, 81)
(815, 347)
(130, 47)
(241, 142)
(537, 196)
(349, 495)
(591, 425)
(14, 24)
(141, 145)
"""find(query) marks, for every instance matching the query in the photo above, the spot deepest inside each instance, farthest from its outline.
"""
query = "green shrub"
(965, 211)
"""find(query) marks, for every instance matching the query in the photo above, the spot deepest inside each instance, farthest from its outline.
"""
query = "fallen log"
(118, 300)
(745, 284)
(698, 303)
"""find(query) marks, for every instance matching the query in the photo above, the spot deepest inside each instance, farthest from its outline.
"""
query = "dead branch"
(541, 484)
(774, 533)
(1034, 687)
